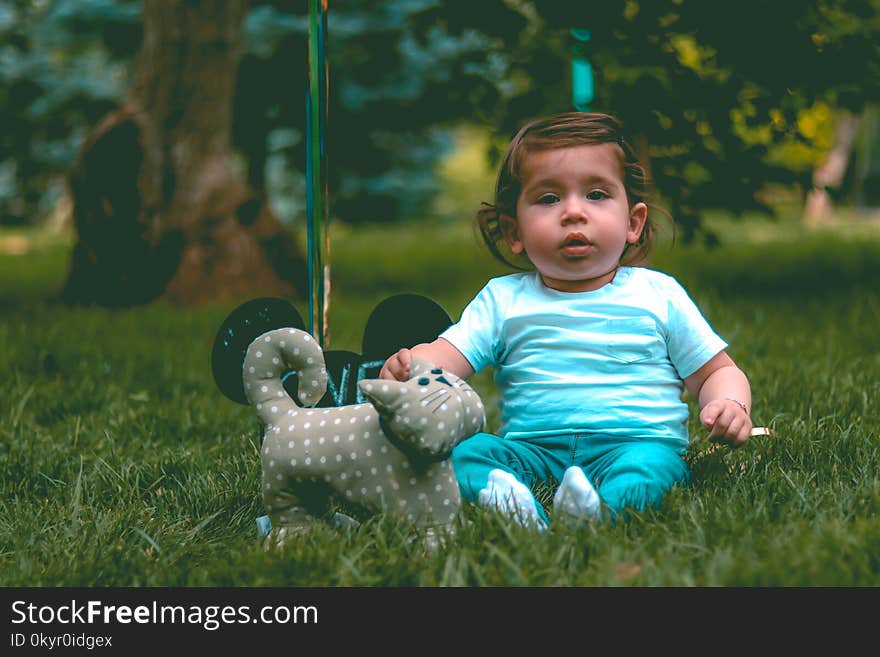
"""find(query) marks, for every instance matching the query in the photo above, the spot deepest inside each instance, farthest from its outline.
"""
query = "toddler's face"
(573, 217)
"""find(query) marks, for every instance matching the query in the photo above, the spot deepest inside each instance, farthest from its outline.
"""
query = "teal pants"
(625, 472)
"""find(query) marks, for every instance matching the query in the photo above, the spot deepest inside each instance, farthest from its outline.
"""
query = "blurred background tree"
(724, 101)
(160, 203)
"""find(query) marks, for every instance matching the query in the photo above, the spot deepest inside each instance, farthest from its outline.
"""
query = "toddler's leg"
(576, 501)
(490, 472)
(637, 475)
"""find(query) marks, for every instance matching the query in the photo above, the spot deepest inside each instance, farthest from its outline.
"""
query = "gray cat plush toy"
(388, 455)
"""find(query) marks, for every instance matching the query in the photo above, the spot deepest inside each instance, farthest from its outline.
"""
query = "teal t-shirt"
(609, 361)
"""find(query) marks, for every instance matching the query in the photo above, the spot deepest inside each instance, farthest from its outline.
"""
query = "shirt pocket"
(632, 340)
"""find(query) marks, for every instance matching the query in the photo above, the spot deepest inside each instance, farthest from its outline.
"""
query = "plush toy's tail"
(272, 355)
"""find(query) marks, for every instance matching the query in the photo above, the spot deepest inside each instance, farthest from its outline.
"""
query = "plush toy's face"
(429, 414)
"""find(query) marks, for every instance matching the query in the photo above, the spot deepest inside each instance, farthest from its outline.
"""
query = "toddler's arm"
(440, 352)
(725, 400)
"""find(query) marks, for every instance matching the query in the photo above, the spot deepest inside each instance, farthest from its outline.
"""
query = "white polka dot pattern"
(313, 458)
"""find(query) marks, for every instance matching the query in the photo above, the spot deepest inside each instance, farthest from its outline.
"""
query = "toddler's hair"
(563, 131)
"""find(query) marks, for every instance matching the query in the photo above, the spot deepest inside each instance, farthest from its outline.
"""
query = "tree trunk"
(161, 207)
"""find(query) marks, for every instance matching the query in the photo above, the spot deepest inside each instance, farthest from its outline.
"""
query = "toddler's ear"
(638, 215)
(510, 230)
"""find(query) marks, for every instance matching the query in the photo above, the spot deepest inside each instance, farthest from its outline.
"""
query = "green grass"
(121, 464)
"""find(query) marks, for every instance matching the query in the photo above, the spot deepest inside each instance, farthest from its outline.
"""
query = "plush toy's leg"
(339, 520)
(576, 501)
(292, 508)
(287, 512)
(286, 509)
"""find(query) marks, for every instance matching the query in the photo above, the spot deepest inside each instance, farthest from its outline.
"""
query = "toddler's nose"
(574, 211)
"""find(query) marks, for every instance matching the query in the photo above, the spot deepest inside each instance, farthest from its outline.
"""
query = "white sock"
(576, 500)
(506, 493)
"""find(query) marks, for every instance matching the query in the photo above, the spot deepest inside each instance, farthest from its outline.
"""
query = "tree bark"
(161, 206)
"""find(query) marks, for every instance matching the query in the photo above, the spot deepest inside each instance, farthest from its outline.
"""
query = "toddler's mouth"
(576, 244)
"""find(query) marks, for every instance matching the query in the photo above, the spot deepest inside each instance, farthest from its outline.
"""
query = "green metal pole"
(316, 175)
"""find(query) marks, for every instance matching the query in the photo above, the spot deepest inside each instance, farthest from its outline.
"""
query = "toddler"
(591, 354)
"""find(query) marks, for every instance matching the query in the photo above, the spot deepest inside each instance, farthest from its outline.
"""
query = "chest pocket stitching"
(629, 352)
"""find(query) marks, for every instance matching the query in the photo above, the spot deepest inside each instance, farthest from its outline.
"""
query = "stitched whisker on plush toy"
(389, 455)
(438, 408)
(432, 396)
(436, 403)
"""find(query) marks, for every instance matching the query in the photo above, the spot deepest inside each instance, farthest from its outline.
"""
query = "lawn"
(121, 464)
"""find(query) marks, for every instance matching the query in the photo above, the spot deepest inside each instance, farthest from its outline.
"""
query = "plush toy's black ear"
(241, 327)
(402, 321)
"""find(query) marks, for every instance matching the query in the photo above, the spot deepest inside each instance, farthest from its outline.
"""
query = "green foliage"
(693, 82)
(67, 63)
(392, 100)
(122, 465)
(723, 98)
(58, 76)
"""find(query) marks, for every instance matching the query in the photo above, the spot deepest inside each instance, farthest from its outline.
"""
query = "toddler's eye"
(597, 195)
(547, 199)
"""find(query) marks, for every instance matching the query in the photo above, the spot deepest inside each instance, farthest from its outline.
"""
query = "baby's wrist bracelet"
(738, 403)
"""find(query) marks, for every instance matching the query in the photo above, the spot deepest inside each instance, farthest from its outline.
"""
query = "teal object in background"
(264, 526)
(582, 83)
(582, 88)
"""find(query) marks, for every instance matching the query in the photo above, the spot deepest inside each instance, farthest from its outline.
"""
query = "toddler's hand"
(727, 422)
(397, 366)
